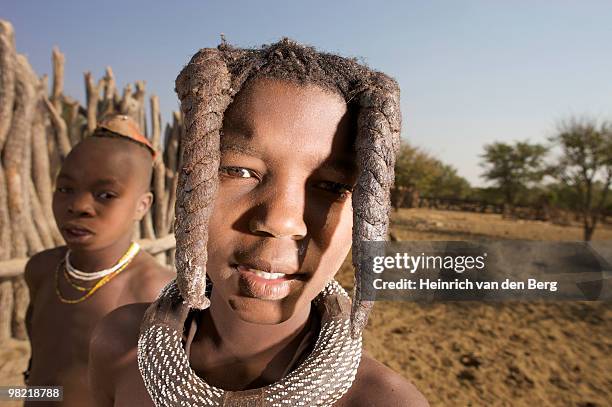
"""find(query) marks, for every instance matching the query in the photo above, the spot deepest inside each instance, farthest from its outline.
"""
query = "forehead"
(102, 158)
(305, 120)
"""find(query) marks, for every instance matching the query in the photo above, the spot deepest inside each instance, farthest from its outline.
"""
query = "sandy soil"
(475, 354)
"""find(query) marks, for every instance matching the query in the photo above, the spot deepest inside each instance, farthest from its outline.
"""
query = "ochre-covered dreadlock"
(206, 87)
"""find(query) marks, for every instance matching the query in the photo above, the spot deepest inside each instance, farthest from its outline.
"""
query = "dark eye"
(343, 190)
(106, 195)
(63, 190)
(237, 172)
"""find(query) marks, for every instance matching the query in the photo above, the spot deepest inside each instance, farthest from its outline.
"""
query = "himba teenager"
(288, 160)
(102, 189)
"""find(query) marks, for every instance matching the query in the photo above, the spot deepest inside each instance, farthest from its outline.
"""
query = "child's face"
(283, 204)
(99, 193)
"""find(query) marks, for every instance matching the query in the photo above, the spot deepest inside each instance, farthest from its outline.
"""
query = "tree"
(513, 167)
(416, 170)
(585, 164)
(449, 184)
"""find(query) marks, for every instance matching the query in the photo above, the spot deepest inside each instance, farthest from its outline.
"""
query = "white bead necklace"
(81, 275)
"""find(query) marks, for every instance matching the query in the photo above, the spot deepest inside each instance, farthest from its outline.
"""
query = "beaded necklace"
(321, 380)
(84, 276)
(125, 260)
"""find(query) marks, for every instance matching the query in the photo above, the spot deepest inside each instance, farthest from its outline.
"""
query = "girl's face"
(282, 221)
(100, 194)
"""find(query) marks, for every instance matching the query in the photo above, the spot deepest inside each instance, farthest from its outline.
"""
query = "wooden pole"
(159, 177)
(127, 101)
(7, 100)
(61, 131)
(110, 88)
(7, 78)
(33, 237)
(13, 155)
(5, 222)
(41, 174)
(93, 94)
(21, 300)
(173, 152)
(6, 309)
(139, 97)
(6, 286)
(159, 172)
(55, 158)
(58, 78)
(17, 160)
(75, 123)
(39, 218)
(147, 226)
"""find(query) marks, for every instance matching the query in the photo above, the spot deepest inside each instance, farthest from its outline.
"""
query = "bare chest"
(129, 387)
(60, 332)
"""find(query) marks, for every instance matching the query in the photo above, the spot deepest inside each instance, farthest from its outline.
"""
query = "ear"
(144, 203)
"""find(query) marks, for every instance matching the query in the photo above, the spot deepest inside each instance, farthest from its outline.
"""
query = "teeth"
(268, 276)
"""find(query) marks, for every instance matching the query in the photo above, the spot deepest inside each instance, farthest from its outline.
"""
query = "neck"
(92, 260)
(247, 338)
(257, 354)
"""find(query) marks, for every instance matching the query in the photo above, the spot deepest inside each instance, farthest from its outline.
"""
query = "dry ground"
(476, 354)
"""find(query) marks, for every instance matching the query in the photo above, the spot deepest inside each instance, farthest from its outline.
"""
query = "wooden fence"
(38, 127)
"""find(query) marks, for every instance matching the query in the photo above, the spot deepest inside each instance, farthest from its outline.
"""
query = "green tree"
(417, 170)
(449, 184)
(513, 167)
(585, 164)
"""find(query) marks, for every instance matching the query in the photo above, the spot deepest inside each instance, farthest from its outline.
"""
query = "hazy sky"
(471, 72)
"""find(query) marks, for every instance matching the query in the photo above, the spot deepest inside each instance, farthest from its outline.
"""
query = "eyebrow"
(342, 167)
(107, 181)
(240, 148)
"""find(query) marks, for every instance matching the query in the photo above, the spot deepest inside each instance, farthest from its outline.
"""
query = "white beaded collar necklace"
(322, 379)
(81, 275)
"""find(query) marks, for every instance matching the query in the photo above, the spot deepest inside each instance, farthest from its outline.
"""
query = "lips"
(259, 279)
(76, 233)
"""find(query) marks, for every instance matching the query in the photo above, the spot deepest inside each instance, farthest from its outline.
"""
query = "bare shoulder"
(377, 385)
(113, 347)
(38, 266)
(148, 278)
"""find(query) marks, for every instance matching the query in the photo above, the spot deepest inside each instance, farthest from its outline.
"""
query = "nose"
(81, 204)
(281, 212)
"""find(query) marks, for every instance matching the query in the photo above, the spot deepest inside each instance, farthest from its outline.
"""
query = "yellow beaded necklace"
(73, 284)
(92, 290)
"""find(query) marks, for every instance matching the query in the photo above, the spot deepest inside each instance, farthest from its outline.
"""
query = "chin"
(266, 312)
(79, 245)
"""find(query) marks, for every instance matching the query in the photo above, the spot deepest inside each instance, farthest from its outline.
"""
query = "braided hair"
(207, 86)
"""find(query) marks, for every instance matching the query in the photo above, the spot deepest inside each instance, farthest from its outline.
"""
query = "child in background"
(101, 190)
(288, 160)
